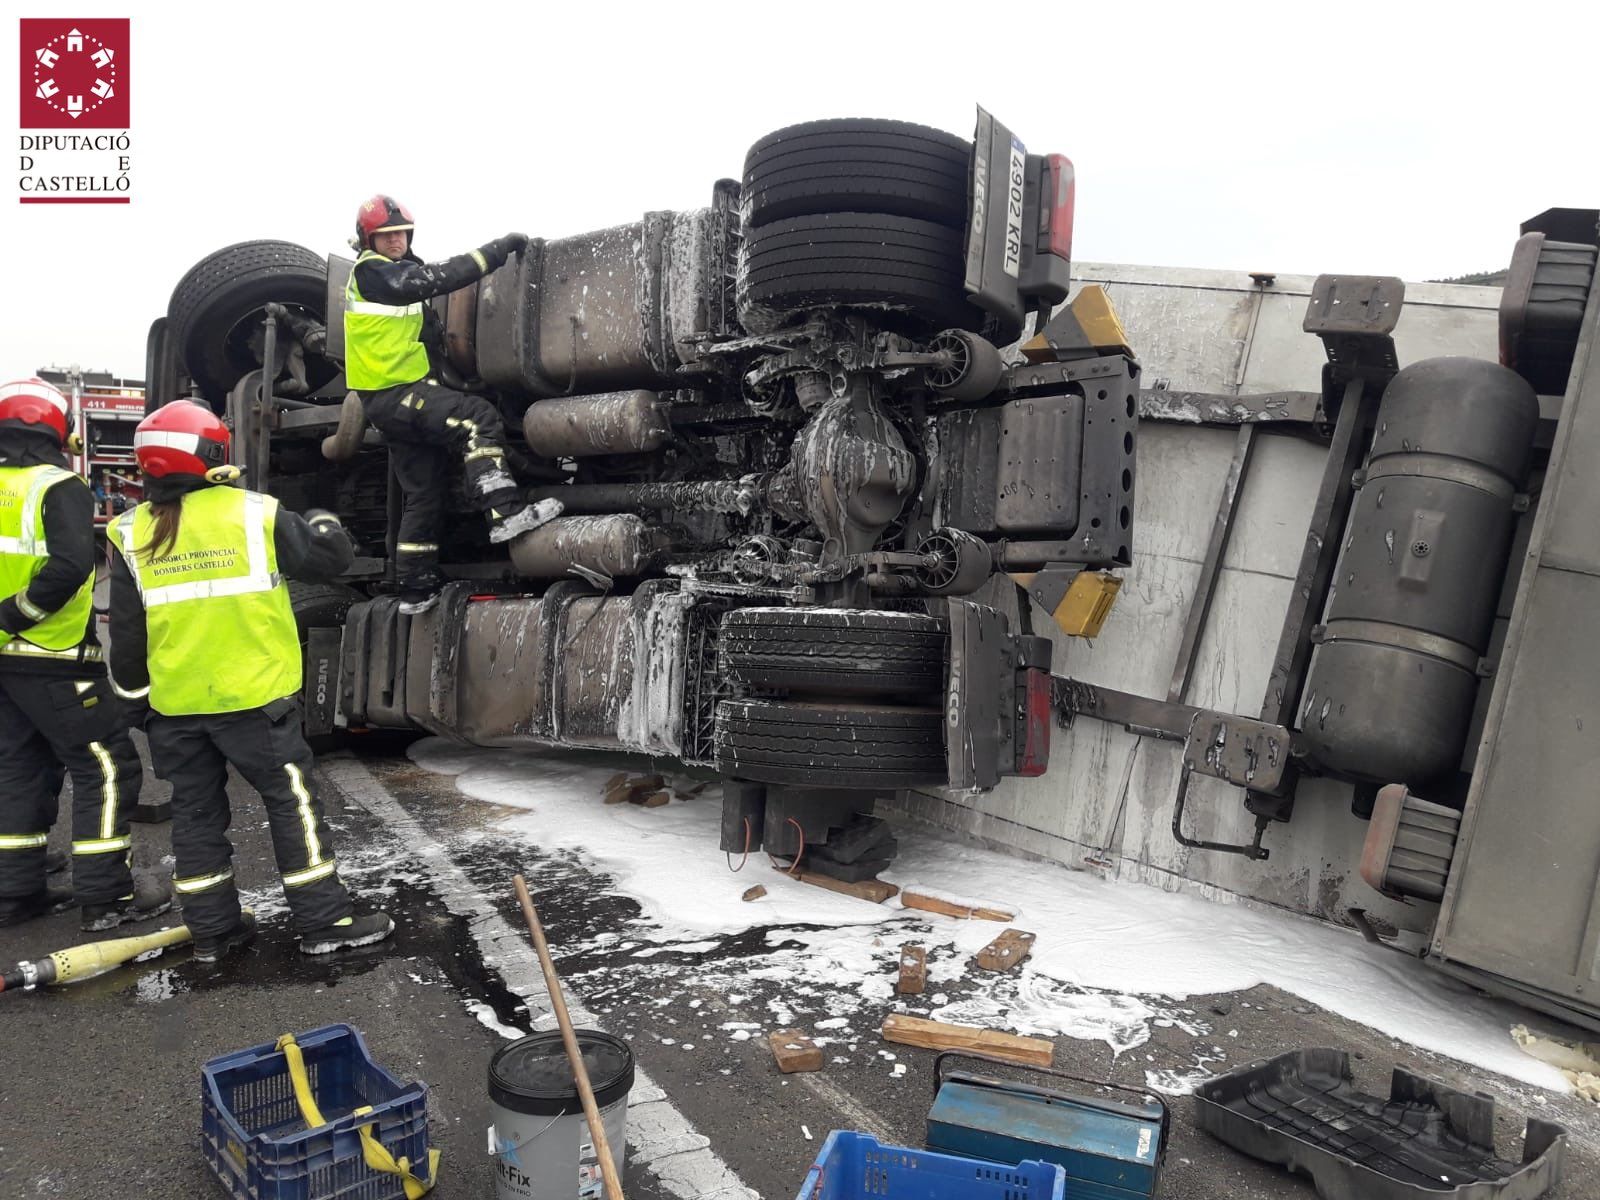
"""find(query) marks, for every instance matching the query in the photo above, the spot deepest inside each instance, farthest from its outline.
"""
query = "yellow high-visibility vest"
(221, 633)
(382, 342)
(23, 553)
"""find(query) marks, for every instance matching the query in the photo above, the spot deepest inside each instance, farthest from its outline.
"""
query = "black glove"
(319, 518)
(496, 252)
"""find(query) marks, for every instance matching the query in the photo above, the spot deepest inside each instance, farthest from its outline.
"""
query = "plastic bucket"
(540, 1139)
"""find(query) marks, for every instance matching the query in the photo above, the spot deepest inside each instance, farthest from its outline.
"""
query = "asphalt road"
(100, 1083)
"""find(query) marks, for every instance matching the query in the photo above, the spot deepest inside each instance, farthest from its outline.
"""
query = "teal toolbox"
(1110, 1150)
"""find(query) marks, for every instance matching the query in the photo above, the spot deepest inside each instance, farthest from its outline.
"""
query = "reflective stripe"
(372, 308)
(308, 819)
(257, 577)
(135, 694)
(207, 588)
(124, 528)
(484, 452)
(199, 883)
(483, 263)
(416, 547)
(171, 439)
(102, 845)
(23, 841)
(88, 653)
(34, 543)
(309, 875)
(108, 789)
(29, 609)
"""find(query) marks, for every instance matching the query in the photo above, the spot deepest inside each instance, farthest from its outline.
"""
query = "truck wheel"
(319, 604)
(218, 306)
(830, 745)
(857, 165)
(867, 259)
(858, 653)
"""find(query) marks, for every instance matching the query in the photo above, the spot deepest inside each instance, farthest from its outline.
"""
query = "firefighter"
(56, 707)
(389, 336)
(203, 635)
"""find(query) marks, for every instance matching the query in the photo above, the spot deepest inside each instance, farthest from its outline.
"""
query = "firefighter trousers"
(425, 425)
(56, 724)
(266, 747)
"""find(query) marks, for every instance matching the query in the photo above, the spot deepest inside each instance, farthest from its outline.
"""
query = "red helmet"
(33, 404)
(379, 215)
(181, 438)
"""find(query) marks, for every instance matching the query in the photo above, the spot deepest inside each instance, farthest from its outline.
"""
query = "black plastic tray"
(1302, 1110)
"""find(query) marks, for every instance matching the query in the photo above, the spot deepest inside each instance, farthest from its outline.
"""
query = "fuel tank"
(1390, 693)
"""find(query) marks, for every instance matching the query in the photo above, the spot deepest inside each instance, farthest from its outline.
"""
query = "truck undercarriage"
(811, 506)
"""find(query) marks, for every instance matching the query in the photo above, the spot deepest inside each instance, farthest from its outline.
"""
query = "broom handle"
(597, 1129)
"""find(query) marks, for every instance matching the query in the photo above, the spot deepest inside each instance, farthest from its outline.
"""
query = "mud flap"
(978, 693)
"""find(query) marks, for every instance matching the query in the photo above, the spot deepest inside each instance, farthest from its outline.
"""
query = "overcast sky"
(1400, 138)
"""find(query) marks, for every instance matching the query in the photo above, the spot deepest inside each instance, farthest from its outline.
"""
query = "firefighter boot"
(14, 910)
(347, 933)
(148, 899)
(507, 523)
(419, 591)
(215, 949)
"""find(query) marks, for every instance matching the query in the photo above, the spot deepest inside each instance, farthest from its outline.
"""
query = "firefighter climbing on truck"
(391, 359)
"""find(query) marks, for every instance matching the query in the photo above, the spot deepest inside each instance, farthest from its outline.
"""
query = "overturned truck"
(844, 473)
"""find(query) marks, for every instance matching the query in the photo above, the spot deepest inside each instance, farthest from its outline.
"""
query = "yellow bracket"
(1078, 601)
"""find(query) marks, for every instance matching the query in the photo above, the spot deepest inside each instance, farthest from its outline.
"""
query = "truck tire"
(867, 259)
(858, 165)
(219, 303)
(320, 604)
(864, 746)
(858, 653)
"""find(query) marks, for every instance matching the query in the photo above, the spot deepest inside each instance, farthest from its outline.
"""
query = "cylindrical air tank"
(1390, 693)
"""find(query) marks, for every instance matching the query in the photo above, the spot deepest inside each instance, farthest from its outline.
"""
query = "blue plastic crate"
(258, 1145)
(854, 1166)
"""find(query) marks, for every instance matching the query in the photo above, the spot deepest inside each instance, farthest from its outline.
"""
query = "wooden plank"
(653, 800)
(794, 1051)
(950, 909)
(939, 1035)
(913, 970)
(754, 893)
(874, 890)
(1006, 951)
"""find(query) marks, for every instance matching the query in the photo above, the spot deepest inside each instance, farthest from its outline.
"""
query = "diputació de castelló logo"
(74, 82)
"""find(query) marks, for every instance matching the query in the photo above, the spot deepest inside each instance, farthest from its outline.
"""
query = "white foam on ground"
(1104, 949)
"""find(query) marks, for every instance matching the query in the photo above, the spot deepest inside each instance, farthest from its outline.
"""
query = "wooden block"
(874, 890)
(616, 781)
(654, 799)
(794, 1051)
(754, 893)
(938, 1035)
(949, 909)
(1006, 951)
(913, 970)
(632, 789)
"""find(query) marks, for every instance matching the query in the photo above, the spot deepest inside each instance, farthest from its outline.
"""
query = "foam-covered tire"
(856, 746)
(869, 260)
(857, 165)
(218, 304)
(855, 652)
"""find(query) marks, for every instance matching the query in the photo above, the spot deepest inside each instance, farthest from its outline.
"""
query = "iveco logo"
(322, 681)
(953, 701)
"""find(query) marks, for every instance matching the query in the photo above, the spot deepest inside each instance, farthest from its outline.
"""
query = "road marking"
(660, 1137)
(856, 1115)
